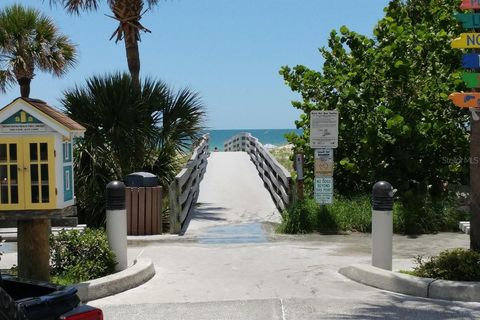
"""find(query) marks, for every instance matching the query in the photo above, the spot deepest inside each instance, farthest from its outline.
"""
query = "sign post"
(471, 100)
(323, 138)
(299, 159)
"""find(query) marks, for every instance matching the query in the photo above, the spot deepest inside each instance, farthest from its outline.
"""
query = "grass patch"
(284, 156)
(409, 272)
(355, 214)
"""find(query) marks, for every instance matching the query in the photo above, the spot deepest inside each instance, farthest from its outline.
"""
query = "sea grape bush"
(391, 89)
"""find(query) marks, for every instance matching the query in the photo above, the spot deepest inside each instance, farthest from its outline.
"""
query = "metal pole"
(299, 161)
(117, 222)
(382, 225)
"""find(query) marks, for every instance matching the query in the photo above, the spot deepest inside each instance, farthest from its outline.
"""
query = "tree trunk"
(133, 54)
(33, 249)
(24, 87)
(475, 185)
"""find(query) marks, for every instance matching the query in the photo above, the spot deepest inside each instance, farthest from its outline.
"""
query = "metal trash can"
(144, 199)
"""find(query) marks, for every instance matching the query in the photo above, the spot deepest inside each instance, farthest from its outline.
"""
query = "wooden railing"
(277, 179)
(183, 191)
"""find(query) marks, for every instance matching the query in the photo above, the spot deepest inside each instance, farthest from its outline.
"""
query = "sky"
(229, 51)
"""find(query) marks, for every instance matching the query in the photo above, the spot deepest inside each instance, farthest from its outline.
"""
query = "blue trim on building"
(67, 183)
(67, 152)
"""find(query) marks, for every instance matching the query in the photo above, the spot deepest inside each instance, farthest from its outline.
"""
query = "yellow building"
(36, 156)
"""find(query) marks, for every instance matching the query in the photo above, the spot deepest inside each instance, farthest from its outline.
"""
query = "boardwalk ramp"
(233, 204)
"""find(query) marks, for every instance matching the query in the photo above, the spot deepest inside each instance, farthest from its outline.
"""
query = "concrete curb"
(455, 290)
(141, 271)
(411, 285)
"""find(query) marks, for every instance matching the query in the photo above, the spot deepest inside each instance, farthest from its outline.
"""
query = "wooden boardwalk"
(231, 194)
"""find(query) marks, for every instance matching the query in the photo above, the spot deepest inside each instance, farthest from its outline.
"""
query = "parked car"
(22, 299)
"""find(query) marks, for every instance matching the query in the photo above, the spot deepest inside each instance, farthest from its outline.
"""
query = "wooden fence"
(183, 191)
(144, 210)
(277, 179)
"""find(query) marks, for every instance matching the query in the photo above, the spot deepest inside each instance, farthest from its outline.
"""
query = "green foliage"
(355, 214)
(346, 214)
(455, 264)
(396, 122)
(299, 218)
(343, 215)
(129, 128)
(78, 256)
(425, 214)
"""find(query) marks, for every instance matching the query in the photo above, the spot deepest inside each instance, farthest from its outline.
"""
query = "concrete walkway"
(288, 278)
(233, 204)
(235, 267)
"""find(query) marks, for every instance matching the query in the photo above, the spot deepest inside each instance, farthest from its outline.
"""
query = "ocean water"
(265, 136)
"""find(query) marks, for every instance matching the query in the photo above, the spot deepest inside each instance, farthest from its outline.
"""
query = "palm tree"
(28, 41)
(129, 129)
(128, 13)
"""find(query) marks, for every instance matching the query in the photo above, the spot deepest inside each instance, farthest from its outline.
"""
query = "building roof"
(56, 115)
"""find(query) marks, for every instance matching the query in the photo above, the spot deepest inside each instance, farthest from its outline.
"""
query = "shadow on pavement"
(408, 307)
(203, 212)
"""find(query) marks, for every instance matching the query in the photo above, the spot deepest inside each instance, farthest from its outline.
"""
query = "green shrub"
(420, 213)
(81, 255)
(455, 264)
(299, 217)
(349, 214)
(355, 214)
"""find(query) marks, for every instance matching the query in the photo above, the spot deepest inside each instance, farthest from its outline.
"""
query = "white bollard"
(117, 222)
(382, 225)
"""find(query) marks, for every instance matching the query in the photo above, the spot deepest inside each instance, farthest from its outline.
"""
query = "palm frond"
(76, 6)
(129, 128)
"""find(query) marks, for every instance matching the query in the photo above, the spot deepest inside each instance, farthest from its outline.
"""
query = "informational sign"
(323, 162)
(469, 20)
(299, 165)
(324, 129)
(465, 99)
(323, 190)
(470, 4)
(23, 127)
(471, 61)
(469, 40)
(471, 79)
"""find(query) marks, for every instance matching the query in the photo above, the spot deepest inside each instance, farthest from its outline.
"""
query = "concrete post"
(382, 225)
(117, 222)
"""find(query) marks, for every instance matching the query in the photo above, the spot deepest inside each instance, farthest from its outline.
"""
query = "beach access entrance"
(240, 192)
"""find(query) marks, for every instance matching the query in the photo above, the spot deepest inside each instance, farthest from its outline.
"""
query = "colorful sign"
(470, 4)
(323, 190)
(469, 40)
(323, 162)
(466, 99)
(324, 129)
(469, 20)
(471, 61)
(471, 79)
